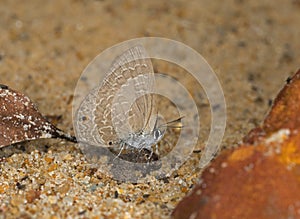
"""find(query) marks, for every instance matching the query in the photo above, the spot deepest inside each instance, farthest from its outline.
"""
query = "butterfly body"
(142, 140)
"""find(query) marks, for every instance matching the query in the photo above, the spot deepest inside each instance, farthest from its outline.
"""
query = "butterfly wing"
(85, 127)
(122, 104)
(125, 101)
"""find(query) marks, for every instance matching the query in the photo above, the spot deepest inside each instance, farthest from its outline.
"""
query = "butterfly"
(121, 112)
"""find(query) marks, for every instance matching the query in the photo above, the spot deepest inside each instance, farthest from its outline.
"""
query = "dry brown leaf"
(21, 121)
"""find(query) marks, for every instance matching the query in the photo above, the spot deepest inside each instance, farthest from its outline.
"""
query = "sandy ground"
(252, 46)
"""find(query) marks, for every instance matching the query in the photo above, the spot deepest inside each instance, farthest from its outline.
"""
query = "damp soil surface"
(251, 45)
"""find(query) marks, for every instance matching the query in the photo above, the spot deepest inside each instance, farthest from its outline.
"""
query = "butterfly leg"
(151, 154)
(156, 149)
(121, 150)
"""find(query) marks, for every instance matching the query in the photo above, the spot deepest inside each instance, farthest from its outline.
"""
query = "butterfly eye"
(157, 134)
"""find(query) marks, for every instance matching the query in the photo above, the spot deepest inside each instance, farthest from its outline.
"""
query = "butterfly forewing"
(124, 102)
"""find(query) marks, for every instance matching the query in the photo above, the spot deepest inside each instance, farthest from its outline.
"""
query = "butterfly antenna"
(169, 124)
